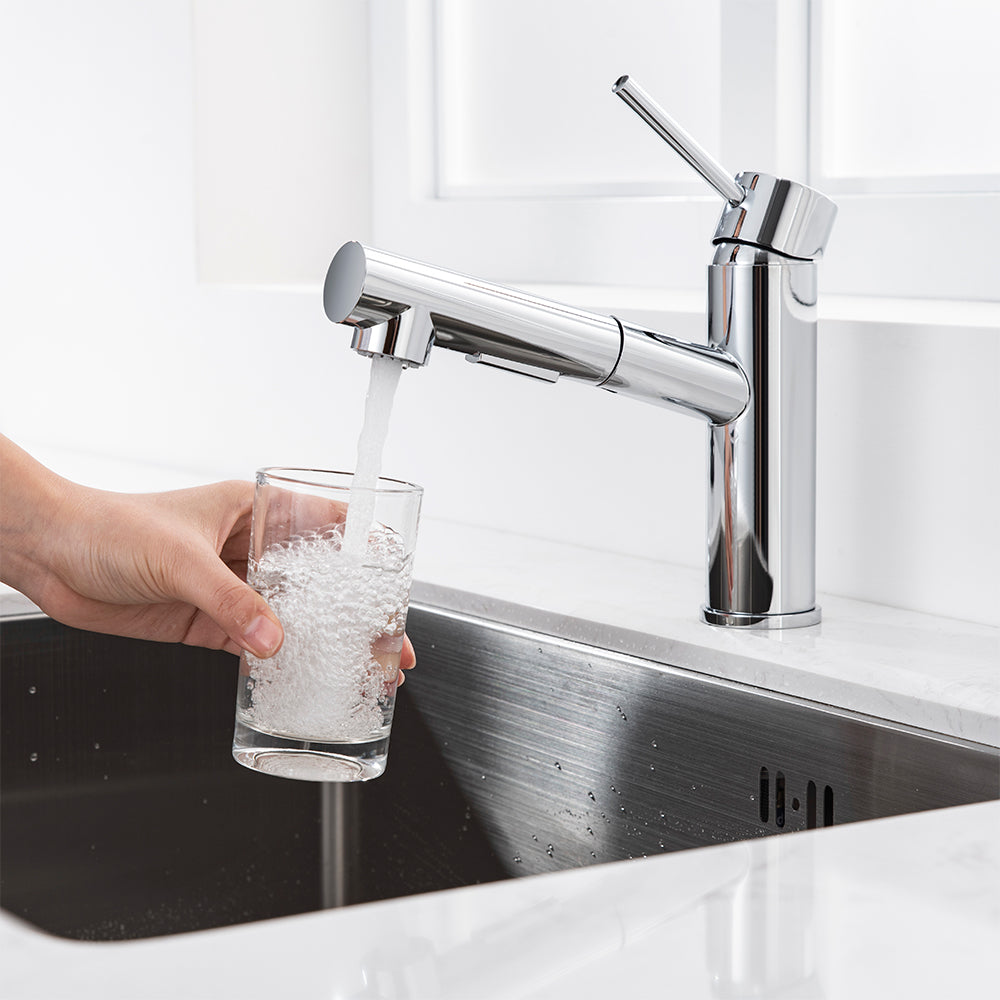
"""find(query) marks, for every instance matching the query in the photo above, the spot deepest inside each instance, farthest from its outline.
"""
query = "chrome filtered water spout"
(755, 381)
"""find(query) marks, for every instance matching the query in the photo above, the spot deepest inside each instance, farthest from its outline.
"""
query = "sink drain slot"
(816, 814)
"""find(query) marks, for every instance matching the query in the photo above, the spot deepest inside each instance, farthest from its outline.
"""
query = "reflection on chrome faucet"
(754, 382)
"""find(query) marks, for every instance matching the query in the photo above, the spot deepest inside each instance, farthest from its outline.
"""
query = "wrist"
(30, 498)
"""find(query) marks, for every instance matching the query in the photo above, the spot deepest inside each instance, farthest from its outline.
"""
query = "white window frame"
(887, 241)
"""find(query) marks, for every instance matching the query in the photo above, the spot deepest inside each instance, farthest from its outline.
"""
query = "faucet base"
(800, 619)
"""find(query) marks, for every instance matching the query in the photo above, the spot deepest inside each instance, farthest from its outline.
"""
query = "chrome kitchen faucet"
(755, 382)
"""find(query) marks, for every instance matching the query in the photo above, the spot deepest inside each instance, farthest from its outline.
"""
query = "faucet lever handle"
(666, 128)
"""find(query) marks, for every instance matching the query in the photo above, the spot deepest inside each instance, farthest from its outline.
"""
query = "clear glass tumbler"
(334, 561)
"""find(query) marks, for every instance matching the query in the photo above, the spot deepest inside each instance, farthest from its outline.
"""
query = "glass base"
(309, 760)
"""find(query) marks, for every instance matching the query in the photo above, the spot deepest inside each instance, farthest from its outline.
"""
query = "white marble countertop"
(908, 906)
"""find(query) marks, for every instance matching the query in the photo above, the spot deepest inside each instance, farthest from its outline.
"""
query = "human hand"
(163, 566)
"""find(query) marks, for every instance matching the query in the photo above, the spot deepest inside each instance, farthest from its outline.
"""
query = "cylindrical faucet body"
(762, 464)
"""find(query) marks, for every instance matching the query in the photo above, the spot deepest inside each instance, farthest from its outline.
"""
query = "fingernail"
(263, 636)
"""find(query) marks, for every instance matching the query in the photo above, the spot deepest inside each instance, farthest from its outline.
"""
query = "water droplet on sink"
(33, 757)
(593, 798)
(558, 765)
(517, 859)
(652, 768)
(549, 850)
(32, 690)
(653, 744)
(97, 746)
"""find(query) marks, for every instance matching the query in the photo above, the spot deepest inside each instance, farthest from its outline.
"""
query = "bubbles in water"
(335, 674)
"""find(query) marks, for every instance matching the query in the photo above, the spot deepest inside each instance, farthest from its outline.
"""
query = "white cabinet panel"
(908, 91)
(523, 94)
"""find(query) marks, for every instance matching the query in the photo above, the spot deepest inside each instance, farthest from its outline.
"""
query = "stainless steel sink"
(513, 753)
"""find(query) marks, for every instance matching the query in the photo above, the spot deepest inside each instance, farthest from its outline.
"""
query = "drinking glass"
(333, 558)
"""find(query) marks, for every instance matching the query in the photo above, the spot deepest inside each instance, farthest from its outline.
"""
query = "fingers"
(234, 606)
(407, 656)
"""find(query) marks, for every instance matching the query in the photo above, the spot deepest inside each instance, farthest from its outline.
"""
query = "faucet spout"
(401, 308)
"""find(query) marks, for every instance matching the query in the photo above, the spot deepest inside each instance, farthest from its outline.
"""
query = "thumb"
(233, 605)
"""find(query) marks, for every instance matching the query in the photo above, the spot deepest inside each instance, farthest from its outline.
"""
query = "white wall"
(114, 343)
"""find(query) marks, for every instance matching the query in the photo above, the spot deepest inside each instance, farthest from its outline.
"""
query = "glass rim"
(309, 477)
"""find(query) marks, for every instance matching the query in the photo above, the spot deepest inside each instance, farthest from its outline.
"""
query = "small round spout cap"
(345, 282)
(780, 215)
